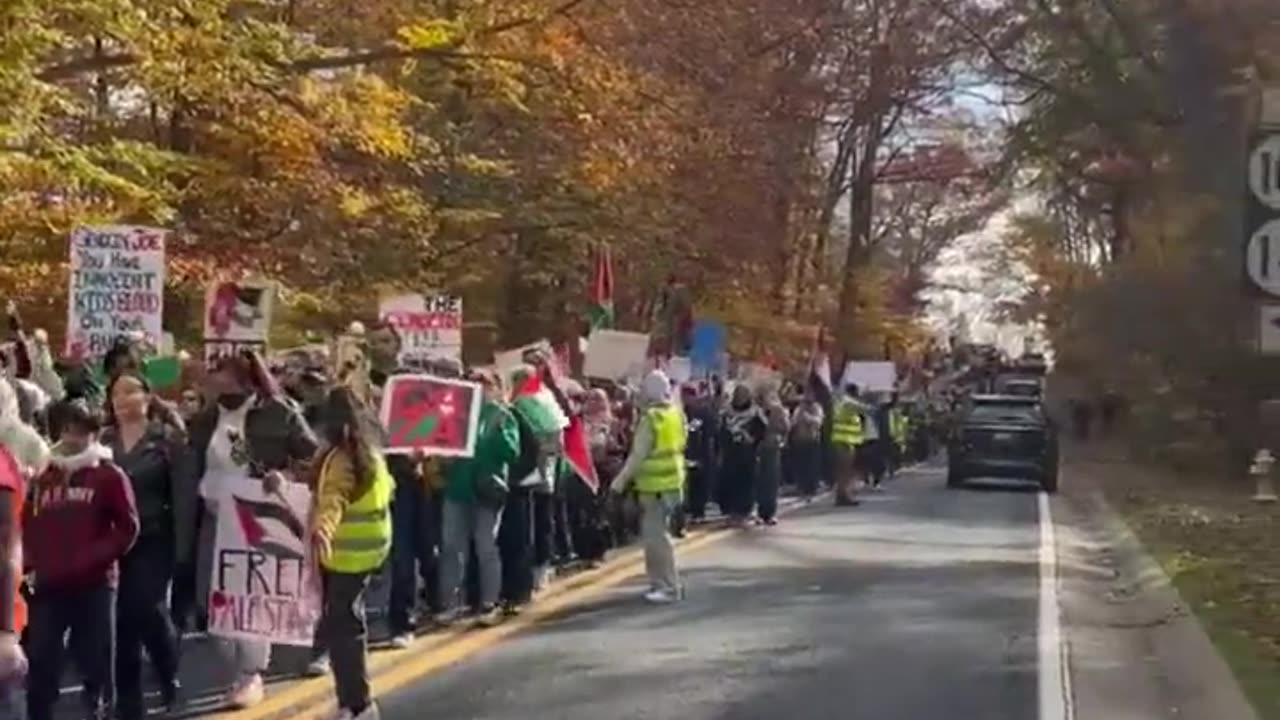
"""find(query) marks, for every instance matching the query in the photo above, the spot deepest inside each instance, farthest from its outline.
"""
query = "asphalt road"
(921, 604)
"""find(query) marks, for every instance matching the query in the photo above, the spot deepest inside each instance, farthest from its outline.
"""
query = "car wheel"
(1050, 482)
(954, 479)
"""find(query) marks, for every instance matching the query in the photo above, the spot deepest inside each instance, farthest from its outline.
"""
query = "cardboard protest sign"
(263, 586)
(870, 376)
(429, 327)
(679, 369)
(435, 415)
(616, 355)
(237, 315)
(116, 287)
(506, 362)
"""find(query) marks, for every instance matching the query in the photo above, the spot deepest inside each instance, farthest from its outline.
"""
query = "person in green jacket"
(474, 491)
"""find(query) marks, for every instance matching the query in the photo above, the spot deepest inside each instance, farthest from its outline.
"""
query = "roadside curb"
(389, 669)
(1116, 589)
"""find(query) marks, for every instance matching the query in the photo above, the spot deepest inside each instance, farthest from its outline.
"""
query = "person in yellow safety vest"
(848, 433)
(350, 538)
(899, 429)
(655, 470)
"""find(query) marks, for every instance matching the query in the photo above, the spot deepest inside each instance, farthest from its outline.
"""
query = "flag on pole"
(820, 369)
(600, 308)
(577, 453)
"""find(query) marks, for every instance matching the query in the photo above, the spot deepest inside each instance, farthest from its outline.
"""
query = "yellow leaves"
(431, 34)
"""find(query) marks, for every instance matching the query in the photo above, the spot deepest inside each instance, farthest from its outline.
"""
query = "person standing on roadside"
(412, 544)
(656, 468)
(848, 435)
(777, 427)
(157, 461)
(80, 522)
(475, 491)
(350, 539)
(13, 609)
(806, 444)
(741, 431)
(249, 431)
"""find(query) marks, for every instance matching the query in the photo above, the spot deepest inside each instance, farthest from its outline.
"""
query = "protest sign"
(435, 415)
(116, 287)
(870, 376)
(616, 355)
(237, 315)
(679, 369)
(263, 586)
(706, 349)
(506, 361)
(429, 327)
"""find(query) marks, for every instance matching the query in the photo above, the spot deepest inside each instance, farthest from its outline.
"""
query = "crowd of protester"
(121, 490)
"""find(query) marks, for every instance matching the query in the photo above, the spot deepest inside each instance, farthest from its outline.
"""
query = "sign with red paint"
(263, 584)
(437, 416)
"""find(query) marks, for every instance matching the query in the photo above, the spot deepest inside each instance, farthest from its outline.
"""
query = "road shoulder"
(1136, 651)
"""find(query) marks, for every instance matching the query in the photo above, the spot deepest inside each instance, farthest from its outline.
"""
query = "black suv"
(1003, 436)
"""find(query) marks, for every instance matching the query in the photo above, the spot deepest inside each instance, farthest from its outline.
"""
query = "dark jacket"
(80, 521)
(161, 470)
(274, 431)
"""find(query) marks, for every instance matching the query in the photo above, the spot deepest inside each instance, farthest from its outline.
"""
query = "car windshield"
(1003, 413)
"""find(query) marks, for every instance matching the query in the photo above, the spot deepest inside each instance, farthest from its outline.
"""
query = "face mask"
(232, 401)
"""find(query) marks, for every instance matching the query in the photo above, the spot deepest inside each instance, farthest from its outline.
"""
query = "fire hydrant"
(1261, 472)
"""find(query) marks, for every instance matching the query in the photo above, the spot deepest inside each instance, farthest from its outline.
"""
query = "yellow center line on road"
(390, 670)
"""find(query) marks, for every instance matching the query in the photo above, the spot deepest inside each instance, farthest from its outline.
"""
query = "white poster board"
(429, 327)
(870, 376)
(616, 355)
(263, 586)
(116, 287)
(679, 369)
(506, 362)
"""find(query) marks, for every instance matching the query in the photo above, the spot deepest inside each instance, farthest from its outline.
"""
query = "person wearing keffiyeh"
(742, 429)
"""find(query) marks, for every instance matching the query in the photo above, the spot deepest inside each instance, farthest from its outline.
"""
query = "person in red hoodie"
(13, 611)
(80, 521)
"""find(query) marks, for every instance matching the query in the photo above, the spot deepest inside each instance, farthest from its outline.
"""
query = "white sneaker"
(370, 712)
(247, 693)
(319, 667)
(402, 641)
(660, 597)
(541, 578)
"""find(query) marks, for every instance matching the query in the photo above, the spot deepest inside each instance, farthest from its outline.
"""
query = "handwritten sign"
(237, 315)
(436, 415)
(116, 288)
(263, 586)
(429, 327)
(616, 355)
(870, 376)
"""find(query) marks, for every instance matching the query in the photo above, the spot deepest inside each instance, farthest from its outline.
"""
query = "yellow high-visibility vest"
(363, 538)
(846, 425)
(663, 470)
(898, 426)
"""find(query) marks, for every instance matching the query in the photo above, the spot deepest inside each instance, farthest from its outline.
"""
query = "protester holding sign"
(475, 492)
(249, 429)
(81, 520)
(350, 537)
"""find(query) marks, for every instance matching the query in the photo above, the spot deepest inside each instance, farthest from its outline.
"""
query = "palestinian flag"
(271, 527)
(577, 452)
(600, 308)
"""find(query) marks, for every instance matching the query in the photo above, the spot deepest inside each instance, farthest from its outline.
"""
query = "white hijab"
(19, 438)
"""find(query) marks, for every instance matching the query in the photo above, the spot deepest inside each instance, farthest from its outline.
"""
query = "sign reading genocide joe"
(116, 287)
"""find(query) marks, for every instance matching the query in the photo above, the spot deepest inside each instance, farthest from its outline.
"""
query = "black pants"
(587, 524)
(699, 483)
(806, 463)
(415, 528)
(346, 635)
(544, 529)
(515, 547)
(142, 620)
(87, 614)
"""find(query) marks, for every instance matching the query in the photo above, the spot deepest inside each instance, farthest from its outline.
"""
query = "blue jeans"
(415, 531)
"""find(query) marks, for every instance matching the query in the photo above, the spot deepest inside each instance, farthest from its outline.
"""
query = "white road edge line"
(1054, 661)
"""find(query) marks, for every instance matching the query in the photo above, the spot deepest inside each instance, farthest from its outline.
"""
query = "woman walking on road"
(156, 460)
(350, 539)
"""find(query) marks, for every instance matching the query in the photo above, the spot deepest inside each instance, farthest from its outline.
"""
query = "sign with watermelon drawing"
(437, 416)
(263, 584)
